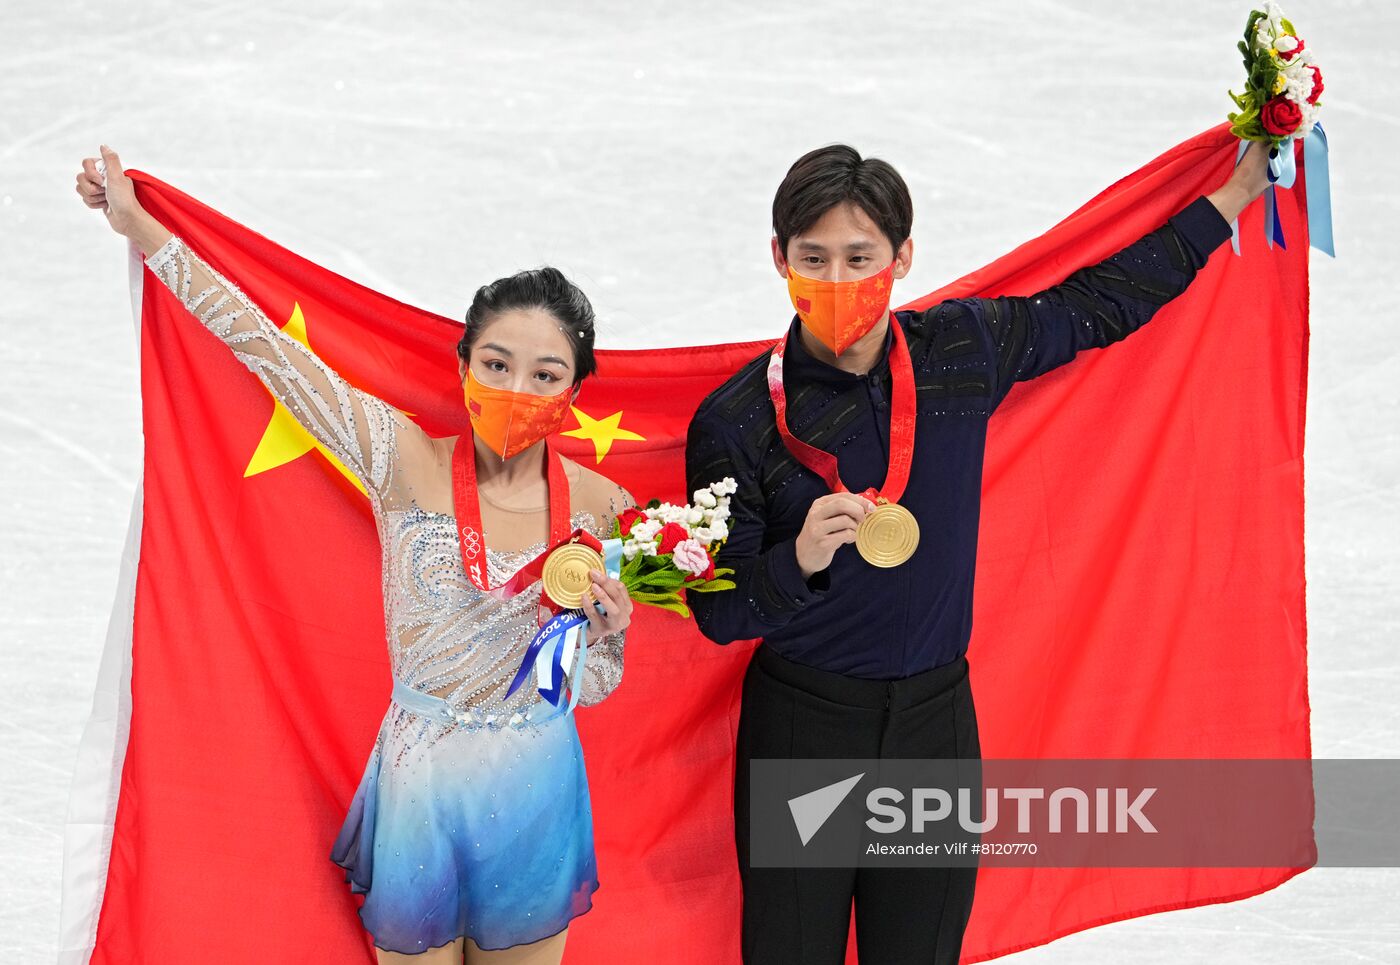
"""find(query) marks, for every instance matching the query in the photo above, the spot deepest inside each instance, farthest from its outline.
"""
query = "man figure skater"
(863, 646)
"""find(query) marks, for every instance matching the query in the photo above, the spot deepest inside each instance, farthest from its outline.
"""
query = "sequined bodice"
(447, 636)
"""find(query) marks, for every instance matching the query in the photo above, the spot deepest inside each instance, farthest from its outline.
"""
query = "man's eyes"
(854, 259)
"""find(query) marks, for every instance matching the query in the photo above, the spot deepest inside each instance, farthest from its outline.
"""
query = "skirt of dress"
(454, 831)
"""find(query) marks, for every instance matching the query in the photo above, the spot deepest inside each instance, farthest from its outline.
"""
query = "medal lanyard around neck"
(468, 511)
(902, 414)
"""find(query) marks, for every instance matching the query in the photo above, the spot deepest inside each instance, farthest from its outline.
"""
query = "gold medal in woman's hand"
(565, 576)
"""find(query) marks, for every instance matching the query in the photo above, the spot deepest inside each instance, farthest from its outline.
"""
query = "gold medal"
(887, 535)
(565, 574)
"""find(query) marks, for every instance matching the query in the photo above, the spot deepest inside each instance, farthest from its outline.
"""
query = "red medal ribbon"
(902, 412)
(467, 508)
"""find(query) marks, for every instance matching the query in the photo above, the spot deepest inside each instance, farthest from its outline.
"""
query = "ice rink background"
(425, 149)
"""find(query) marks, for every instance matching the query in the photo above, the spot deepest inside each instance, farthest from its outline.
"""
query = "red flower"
(1317, 85)
(671, 534)
(1294, 52)
(1280, 116)
(627, 518)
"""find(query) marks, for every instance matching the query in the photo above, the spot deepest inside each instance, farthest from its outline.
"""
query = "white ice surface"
(426, 148)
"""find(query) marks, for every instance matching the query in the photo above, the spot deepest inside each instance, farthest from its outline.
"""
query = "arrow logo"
(810, 810)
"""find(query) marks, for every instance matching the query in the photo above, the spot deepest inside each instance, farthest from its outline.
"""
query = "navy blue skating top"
(883, 623)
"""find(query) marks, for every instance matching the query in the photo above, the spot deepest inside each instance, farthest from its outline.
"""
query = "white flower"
(630, 548)
(705, 498)
(649, 548)
(645, 530)
(1309, 119)
(719, 531)
(703, 534)
(1272, 21)
(1297, 89)
(694, 516)
(724, 487)
(1285, 43)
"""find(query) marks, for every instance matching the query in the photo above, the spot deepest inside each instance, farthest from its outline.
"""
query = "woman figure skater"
(471, 831)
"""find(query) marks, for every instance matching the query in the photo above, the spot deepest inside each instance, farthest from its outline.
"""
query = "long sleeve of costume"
(1100, 304)
(602, 671)
(358, 428)
(769, 588)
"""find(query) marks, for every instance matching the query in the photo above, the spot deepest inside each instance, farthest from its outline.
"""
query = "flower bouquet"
(666, 549)
(1282, 83)
(1280, 103)
(669, 548)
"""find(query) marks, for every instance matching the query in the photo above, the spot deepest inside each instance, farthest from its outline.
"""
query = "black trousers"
(802, 916)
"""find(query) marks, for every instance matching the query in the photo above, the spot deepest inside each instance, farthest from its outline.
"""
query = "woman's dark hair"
(544, 288)
(820, 180)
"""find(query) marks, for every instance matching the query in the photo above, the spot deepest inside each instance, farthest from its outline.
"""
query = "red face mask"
(510, 422)
(838, 313)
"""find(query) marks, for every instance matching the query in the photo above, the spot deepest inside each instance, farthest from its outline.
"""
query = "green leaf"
(675, 606)
(667, 578)
(1254, 17)
(709, 586)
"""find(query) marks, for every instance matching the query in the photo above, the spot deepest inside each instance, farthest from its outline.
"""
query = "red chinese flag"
(1139, 594)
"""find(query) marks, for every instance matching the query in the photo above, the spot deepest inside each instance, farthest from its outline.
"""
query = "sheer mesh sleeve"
(1099, 304)
(602, 671)
(362, 431)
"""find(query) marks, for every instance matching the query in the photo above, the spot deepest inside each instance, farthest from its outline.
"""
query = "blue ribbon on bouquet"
(554, 643)
(1282, 172)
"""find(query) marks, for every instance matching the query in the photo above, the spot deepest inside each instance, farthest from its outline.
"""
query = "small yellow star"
(285, 439)
(603, 432)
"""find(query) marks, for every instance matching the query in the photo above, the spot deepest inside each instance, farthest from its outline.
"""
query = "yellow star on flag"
(286, 439)
(603, 432)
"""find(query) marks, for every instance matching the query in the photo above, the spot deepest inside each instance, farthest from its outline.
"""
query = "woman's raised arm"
(362, 431)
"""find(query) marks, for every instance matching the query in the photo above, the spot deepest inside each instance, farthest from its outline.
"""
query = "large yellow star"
(285, 439)
(603, 432)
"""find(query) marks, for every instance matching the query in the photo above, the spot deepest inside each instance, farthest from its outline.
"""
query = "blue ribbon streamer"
(545, 652)
(1282, 173)
(1319, 184)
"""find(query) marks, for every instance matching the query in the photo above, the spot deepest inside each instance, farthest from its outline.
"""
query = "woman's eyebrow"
(505, 351)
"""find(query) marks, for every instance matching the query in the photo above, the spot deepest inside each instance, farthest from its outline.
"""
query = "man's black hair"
(828, 176)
